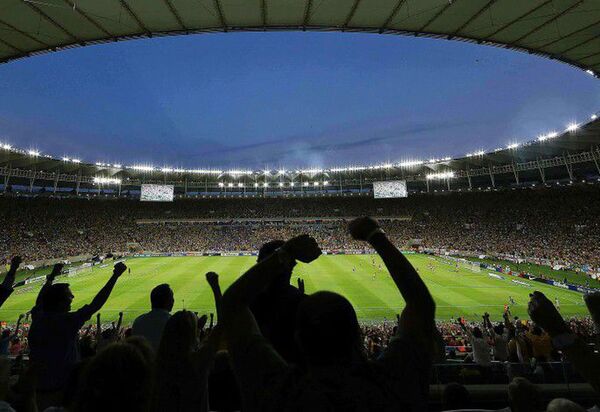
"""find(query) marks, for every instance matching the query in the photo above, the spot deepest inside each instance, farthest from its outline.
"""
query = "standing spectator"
(337, 375)
(150, 325)
(6, 287)
(54, 333)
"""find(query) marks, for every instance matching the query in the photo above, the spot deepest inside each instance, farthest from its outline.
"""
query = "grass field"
(457, 293)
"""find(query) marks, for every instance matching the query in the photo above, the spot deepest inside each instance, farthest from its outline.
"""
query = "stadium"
(490, 259)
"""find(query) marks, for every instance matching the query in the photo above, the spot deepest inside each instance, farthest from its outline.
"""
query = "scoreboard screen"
(390, 189)
(157, 193)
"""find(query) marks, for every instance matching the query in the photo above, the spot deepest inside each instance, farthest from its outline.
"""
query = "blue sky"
(285, 99)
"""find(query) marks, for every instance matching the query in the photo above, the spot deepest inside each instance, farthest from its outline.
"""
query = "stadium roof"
(566, 30)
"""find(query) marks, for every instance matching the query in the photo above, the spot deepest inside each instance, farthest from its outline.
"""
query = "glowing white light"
(107, 180)
(590, 72)
(221, 184)
(325, 183)
(513, 146)
(118, 166)
(66, 159)
(411, 163)
(166, 170)
(230, 185)
(594, 116)
(6, 146)
(571, 127)
(282, 171)
(306, 183)
(478, 153)
(76, 160)
(316, 184)
(265, 184)
(240, 185)
(442, 175)
(255, 184)
(280, 184)
(291, 184)
(33, 153)
(142, 168)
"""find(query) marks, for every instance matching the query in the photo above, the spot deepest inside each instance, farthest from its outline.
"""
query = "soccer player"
(511, 300)
(557, 304)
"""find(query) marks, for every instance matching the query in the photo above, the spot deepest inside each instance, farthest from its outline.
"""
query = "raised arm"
(234, 305)
(56, 270)
(102, 296)
(213, 280)
(6, 288)
(584, 359)
(418, 314)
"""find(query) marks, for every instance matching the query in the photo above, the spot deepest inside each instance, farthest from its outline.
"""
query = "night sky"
(256, 100)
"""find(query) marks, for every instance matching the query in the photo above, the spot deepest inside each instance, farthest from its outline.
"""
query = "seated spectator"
(118, 378)
(564, 405)
(182, 366)
(524, 396)
(53, 335)
(150, 325)
(455, 396)
(336, 374)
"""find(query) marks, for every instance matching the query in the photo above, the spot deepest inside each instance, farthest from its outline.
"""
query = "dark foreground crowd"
(273, 347)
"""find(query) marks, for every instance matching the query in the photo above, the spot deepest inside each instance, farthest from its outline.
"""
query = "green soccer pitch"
(457, 292)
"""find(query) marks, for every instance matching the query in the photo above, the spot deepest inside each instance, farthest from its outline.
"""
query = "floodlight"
(316, 183)
(240, 185)
(325, 183)
(306, 183)
(513, 146)
(221, 184)
(594, 116)
(280, 184)
(230, 185)
(572, 127)
(265, 184)
(33, 153)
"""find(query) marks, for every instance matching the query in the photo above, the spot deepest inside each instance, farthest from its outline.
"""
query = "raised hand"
(303, 248)
(119, 269)
(202, 322)
(15, 262)
(542, 311)
(212, 278)
(363, 227)
(56, 270)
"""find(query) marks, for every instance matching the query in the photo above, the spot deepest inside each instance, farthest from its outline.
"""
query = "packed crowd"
(271, 347)
(559, 225)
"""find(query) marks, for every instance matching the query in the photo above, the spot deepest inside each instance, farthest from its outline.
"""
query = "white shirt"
(481, 351)
(151, 325)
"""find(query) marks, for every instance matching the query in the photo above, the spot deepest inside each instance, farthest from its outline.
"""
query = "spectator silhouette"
(53, 335)
(336, 374)
(150, 325)
(275, 308)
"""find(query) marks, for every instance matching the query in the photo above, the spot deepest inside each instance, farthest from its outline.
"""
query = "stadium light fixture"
(6, 146)
(240, 185)
(571, 127)
(325, 183)
(265, 184)
(33, 153)
(255, 184)
(66, 159)
(513, 146)
(306, 183)
(230, 185)
(118, 166)
(107, 180)
(590, 72)
(291, 184)
(316, 184)
(442, 175)
(280, 184)
(221, 184)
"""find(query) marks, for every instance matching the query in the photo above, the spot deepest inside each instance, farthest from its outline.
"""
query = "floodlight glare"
(306, 183)
(265, 184)
(572, 127)
(594, 116)
(33, 153)
(221, 184)
(316, 183)
(255, 184)
(230, 185)
(280, 184)
(325, 183)
(240, 185)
